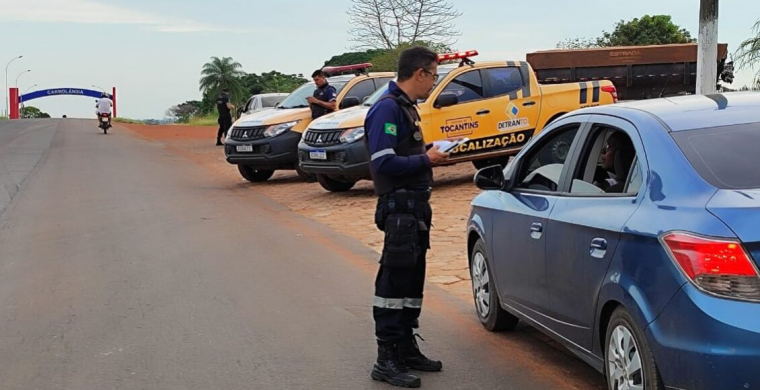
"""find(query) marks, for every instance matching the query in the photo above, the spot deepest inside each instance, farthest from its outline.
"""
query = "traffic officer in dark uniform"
(325, 96)
(401, 168)
(223, 106)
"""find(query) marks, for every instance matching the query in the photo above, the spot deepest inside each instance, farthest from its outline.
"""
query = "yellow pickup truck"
(499, 106)
(266, 141)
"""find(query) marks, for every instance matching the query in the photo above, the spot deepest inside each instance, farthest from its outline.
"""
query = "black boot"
(414, 359)
(389, 368)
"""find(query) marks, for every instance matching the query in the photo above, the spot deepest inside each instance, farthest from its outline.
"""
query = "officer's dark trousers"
(398, 290)
(225, 122)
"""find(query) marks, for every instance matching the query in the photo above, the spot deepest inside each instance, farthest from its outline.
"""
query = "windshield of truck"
(297, 99)
(442, 72)
(271, 101)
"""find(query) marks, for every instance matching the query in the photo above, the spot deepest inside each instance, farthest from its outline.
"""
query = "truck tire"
(254, 175)
(334, 185)
(308, 177)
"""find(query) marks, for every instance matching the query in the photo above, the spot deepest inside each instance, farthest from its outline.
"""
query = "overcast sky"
(152, 51)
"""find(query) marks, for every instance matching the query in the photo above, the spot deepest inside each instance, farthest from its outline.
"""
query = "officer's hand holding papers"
(441, 150)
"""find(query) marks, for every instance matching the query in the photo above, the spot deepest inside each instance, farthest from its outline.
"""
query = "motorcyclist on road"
(103, 106)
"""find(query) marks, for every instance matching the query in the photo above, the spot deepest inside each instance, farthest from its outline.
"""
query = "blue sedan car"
(631, 234)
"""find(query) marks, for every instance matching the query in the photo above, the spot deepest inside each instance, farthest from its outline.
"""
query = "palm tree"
(748, 53)
(220, 73)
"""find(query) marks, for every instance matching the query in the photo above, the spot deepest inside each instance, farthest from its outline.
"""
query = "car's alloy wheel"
(490, 313)
(629, 362)
(481, 285)
(624, 367)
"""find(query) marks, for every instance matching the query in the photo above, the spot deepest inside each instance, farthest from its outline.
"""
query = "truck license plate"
(318, 155)
(244, 148)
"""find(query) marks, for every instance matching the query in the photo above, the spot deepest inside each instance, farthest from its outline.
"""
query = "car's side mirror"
(350, 101)
(277, 104)
(446, 100)
(491, 178)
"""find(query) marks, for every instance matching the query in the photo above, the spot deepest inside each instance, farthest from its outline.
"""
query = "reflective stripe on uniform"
(389, 303)
(413, 303)
(397, 303)
(382, 153)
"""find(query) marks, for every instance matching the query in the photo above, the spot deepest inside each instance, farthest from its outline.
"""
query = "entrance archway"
(16, 100)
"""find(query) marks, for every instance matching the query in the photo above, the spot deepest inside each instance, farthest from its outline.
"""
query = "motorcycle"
(105, 122)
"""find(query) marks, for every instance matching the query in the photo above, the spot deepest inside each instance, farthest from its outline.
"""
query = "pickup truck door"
(516, 101)
(469, 117)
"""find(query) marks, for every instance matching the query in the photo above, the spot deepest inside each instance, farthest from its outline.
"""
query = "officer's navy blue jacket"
(325, 93)
(385, 125)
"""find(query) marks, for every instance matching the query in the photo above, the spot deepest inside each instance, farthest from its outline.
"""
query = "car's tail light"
(612, 90)
(718, 266)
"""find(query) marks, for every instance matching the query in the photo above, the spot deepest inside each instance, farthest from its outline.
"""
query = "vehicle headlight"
(352, 135)
(275, 130)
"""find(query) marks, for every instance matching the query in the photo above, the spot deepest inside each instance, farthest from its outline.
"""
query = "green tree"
(272, 81)
(29, 112)
(576, 43)
(184, 111)
(387, 60)
(222, 73)
(354, 57)
(748, 54)
(647, 30)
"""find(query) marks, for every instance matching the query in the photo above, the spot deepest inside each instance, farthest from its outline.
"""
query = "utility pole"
(707, 56)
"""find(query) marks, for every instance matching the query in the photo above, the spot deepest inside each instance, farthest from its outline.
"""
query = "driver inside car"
(616, 159)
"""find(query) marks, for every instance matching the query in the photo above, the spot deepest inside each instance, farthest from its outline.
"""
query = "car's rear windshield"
(727, 157)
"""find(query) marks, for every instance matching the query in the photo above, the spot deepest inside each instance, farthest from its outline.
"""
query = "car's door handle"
(598, 248)
(599, 243)
(483, 112)
(530, 103)
(536, 229)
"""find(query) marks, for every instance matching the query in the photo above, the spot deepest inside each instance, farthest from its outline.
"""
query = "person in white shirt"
(103, 106)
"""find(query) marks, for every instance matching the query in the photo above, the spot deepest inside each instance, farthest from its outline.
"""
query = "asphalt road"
(124, 267)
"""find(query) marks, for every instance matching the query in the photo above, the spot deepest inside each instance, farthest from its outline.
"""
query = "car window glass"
(504, 80)
(467, 87)
(606, 164)
(362, 89)
(382, 81)
(542, 166)
(635, 179)
(706, 151)
(271, 101)
(248, 105)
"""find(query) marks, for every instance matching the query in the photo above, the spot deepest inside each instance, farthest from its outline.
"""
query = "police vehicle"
(499, 106)
(266, 141)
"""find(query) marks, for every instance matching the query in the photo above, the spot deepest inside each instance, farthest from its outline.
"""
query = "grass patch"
(205, 120)
(127, 120)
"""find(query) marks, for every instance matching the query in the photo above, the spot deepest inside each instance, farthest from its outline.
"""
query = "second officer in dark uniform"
(325, 96)
(401, 168)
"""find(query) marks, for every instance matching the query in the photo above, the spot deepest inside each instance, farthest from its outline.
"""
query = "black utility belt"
(402, 196)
